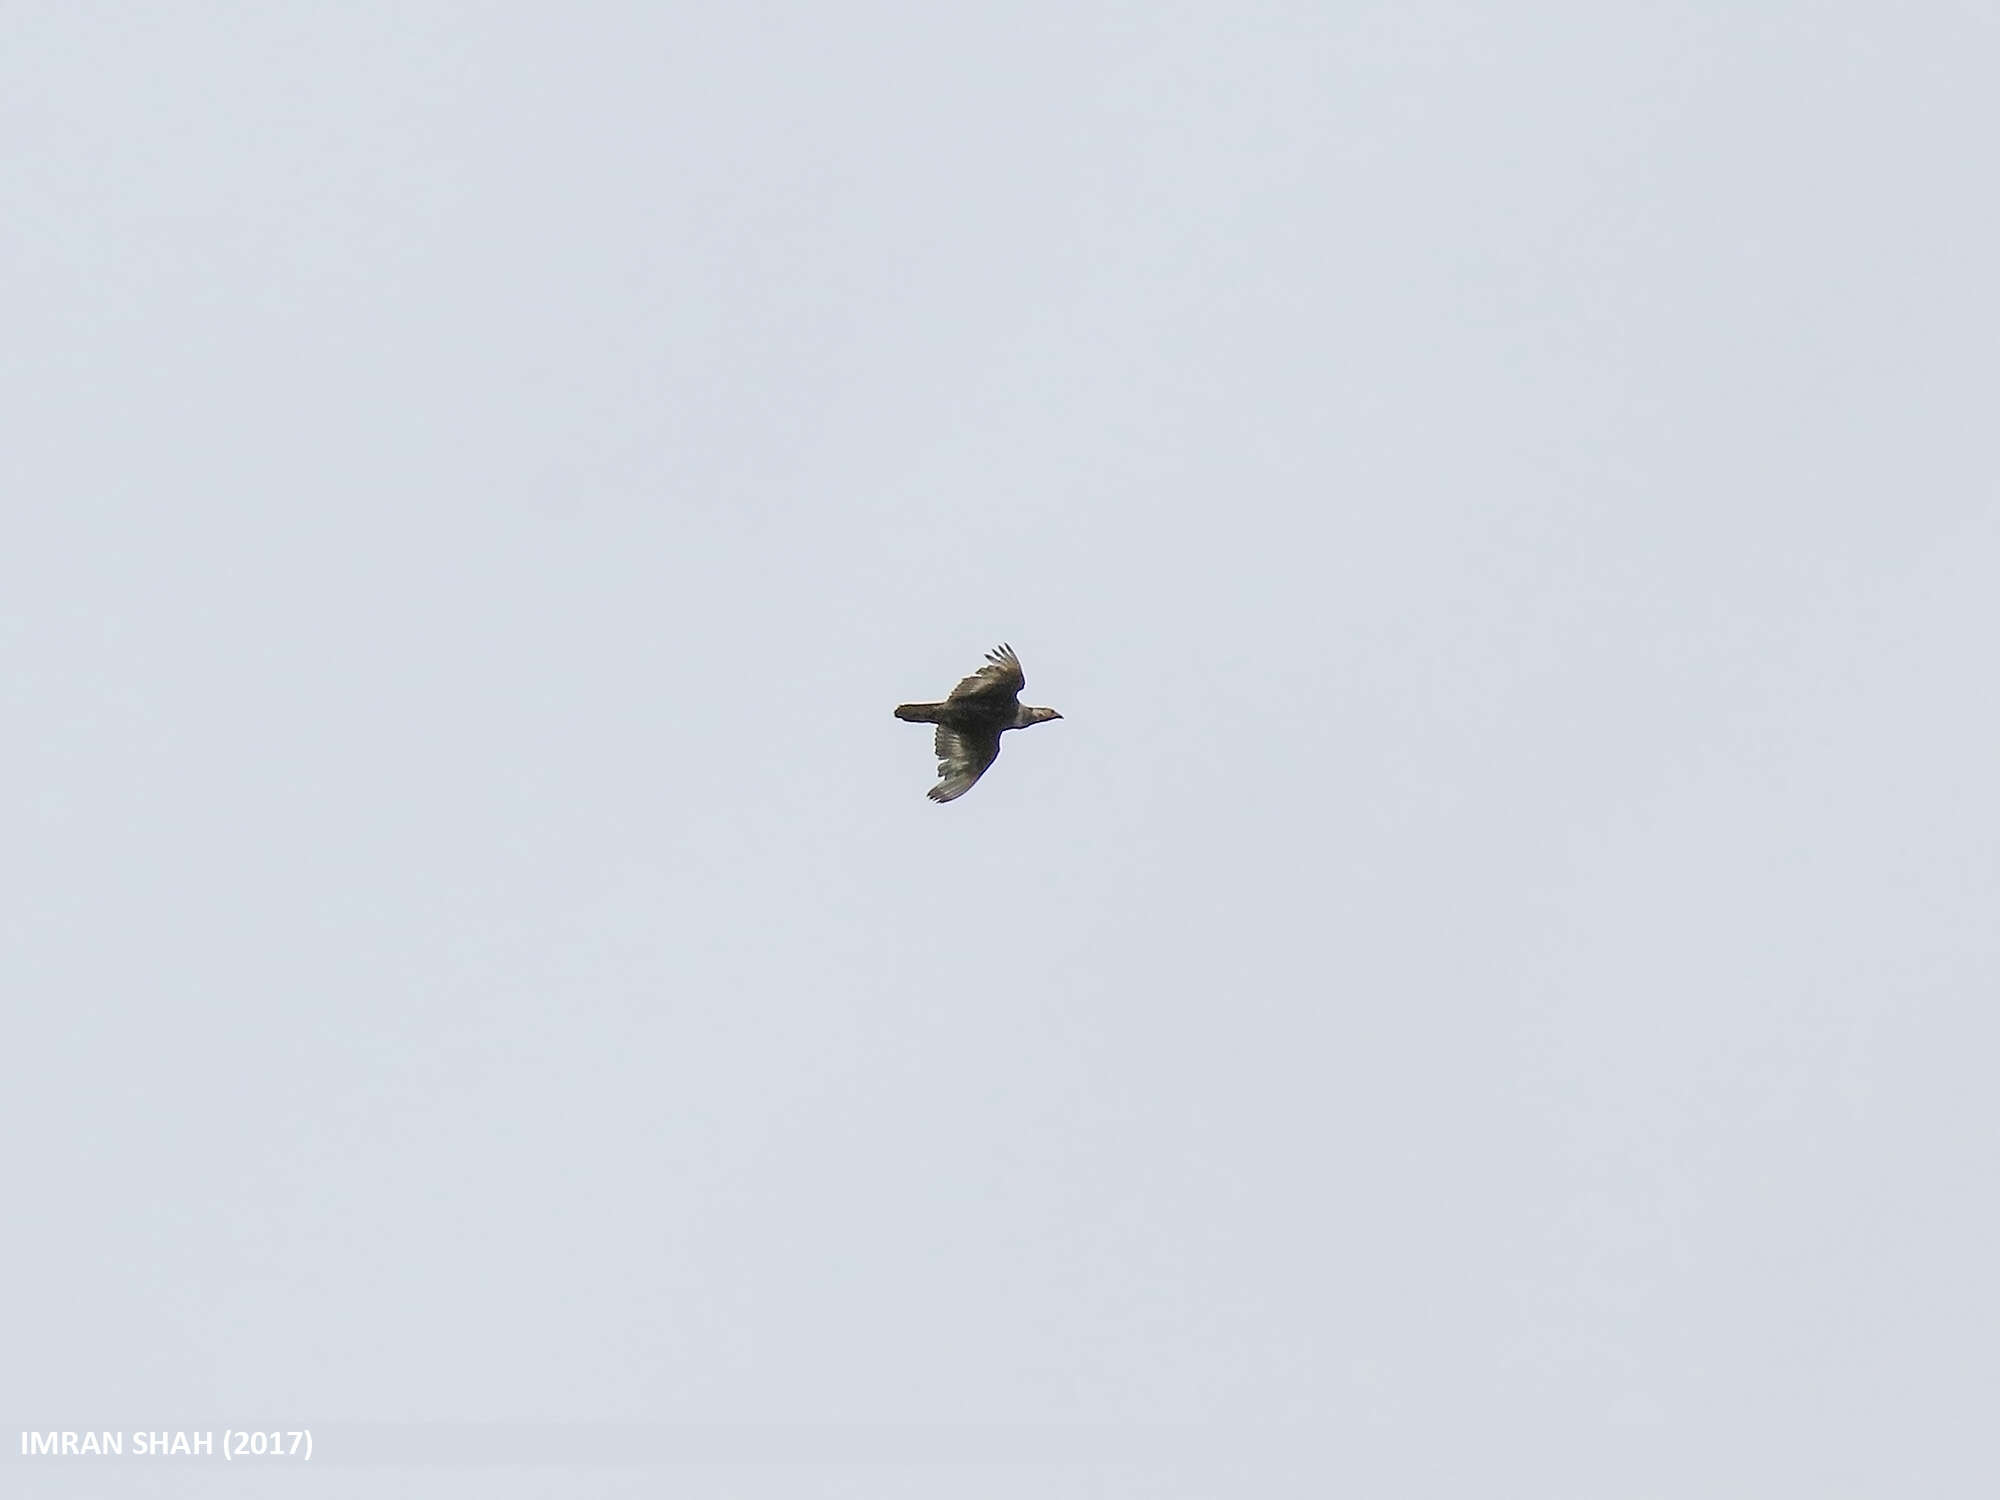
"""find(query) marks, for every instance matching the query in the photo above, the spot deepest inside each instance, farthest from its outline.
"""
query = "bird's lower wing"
(962, 760)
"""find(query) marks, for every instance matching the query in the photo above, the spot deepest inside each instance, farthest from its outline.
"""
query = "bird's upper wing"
(962, 760)
(1001, 681)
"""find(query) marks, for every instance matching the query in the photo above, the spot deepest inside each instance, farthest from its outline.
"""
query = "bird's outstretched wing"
(999, 682)
(962, 760)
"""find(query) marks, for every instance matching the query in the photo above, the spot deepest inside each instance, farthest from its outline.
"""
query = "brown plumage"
(970, 722)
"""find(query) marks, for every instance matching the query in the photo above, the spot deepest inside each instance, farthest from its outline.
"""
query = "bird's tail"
(919, 713)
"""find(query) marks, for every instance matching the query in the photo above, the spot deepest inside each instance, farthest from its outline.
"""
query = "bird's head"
(1029, 716)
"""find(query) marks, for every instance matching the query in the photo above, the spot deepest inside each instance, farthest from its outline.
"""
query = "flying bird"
(970, 722)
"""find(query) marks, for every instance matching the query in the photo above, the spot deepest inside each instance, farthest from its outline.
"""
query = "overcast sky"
(1490, 988)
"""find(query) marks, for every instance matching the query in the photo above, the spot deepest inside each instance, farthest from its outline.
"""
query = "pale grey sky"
(1488, 991)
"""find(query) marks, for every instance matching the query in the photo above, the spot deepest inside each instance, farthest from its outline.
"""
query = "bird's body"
(971, 720)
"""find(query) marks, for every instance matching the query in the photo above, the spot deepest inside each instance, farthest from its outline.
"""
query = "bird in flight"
(970, 722)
